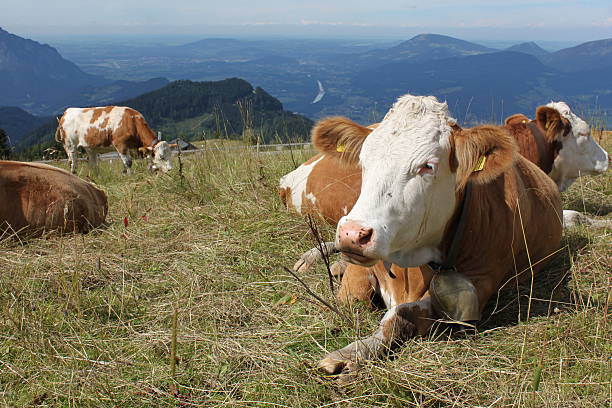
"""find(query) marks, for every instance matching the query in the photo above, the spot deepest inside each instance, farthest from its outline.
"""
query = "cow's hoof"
(330, 365)
(337, 269)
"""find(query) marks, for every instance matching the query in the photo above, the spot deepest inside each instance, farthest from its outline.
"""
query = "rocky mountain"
(530, 48)
(35, 77)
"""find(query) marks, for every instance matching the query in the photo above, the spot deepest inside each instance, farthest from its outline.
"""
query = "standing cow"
(37, 197)
(123, 128)
(433, 193)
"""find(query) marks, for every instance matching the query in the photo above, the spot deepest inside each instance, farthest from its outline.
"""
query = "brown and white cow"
(325, 185)
(416, 168)
(559, 142)
(121, 127)
(38, 197)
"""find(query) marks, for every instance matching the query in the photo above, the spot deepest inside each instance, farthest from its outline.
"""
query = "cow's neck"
(547, 150)
(453, 234)
(146, 135)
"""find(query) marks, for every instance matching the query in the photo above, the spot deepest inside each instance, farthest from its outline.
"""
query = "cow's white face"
(408, 189)
(580, 154)
(162, 153)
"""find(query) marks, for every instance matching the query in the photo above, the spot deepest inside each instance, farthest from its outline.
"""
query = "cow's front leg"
(399, 324)
(127, 162)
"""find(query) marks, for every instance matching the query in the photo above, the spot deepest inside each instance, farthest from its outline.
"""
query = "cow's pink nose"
(352, 237)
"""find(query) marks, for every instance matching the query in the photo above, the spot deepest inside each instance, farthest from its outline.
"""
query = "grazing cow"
(558, 141)
(38, 197)
(123, 128)
(435, 194)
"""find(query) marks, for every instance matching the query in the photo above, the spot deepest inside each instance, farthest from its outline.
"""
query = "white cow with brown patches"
(121, 127)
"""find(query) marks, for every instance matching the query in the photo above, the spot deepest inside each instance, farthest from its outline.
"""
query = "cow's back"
(322, 186)
(38, 197)
(100, 126)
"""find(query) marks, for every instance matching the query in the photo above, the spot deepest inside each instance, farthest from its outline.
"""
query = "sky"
(551, 20)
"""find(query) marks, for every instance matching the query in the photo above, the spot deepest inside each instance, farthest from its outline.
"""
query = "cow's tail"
(59, 132)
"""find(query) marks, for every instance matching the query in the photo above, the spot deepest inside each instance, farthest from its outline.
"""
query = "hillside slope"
(584, 57)
(17, 123)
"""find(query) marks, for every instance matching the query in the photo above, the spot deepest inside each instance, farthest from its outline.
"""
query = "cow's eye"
(427, 168)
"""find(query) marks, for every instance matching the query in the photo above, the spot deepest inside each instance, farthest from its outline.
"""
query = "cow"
(452, 199)
(121, 127)
(557, 140)
(37, 198)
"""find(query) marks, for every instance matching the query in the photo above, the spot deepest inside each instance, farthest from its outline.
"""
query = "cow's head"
(414, 165)
(160, 155)
(579, 155)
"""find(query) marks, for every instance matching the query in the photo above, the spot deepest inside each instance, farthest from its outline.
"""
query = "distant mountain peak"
(423, 47)
(530, 48)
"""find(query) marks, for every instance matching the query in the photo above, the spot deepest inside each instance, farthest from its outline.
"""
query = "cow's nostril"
(365, 236)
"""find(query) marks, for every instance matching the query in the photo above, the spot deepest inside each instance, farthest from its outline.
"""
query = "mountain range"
(316, 78)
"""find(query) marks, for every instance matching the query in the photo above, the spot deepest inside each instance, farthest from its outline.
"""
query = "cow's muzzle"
(353, 241)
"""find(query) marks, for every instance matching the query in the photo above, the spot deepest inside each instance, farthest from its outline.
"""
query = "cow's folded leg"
(313, 255)
(358, 284)
(338, 268)
(399, 324)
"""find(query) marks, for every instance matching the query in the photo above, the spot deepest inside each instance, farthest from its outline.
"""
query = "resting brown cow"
(415, 209)
(38, 198)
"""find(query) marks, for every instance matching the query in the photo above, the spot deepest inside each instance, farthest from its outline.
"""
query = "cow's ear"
(482, 153)
(340, 137)
(553, 124)
(143, 150)
(516, 119)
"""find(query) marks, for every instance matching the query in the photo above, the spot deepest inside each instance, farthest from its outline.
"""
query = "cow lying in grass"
(418, 167)
(38, 198)
(123, 128)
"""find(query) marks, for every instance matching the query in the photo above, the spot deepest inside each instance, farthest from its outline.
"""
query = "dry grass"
(87, 320)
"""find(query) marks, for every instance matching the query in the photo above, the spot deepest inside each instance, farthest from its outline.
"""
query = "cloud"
(605, 23)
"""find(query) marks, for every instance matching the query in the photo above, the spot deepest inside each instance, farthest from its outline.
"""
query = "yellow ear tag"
(546, 126)
(340, 148)
(524, 121)
(481, 163)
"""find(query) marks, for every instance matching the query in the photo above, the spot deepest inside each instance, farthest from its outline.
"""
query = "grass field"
(87, 320)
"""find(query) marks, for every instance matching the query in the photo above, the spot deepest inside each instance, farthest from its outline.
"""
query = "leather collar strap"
(451, 257)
